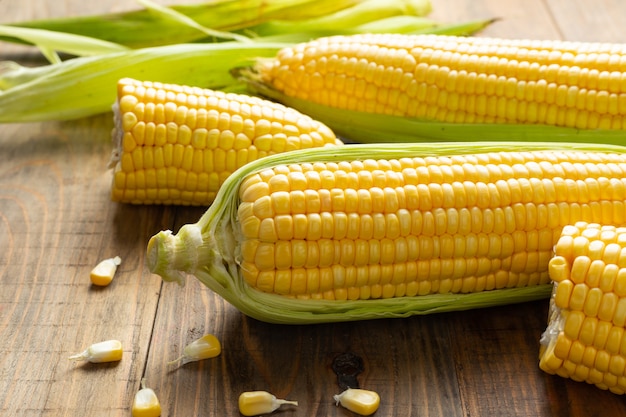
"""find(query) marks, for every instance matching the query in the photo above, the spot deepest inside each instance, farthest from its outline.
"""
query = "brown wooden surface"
(56, 223)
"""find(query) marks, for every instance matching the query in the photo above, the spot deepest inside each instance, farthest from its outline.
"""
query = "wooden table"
(57, 222)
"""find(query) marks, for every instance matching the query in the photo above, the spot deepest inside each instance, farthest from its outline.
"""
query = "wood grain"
(57, 222)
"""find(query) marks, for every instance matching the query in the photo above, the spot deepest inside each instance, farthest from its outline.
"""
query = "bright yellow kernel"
(146, 403)
(103, 273)
(573, 324)
(207, 346)
(564, 291)
(107, 351)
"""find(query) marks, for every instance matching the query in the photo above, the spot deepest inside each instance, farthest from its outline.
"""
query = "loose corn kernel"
(360, 401)
(146, 402)
(254, 403)
(103, 273)
(107, 351)
(208, 346)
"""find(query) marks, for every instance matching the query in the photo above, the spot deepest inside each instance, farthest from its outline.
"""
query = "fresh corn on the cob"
(449, 80)
(586, 335)
(328, 235)
(177, 144)
(459, 79)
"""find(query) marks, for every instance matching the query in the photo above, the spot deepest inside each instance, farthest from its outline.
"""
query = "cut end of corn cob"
(585, 339)
(395, 236)
(458, 79)
(177, 144)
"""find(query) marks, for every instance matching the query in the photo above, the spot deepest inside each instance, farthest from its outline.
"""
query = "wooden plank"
(516, 18)
(406, 361)
(580, 20)
(56, 223)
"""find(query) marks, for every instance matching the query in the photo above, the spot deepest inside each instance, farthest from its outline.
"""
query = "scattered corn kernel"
(208, 346)
(107, 351)
(254, 403)
(360, 401)
(146, 403)
(103, 273)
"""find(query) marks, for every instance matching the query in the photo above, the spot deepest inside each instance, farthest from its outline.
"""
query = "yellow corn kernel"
(592, 320)
(254, 403)
(177, 144)
(360, 401)
(107, 351)
(459, 79)
(146, 403)
(208, 346)
(103, 273)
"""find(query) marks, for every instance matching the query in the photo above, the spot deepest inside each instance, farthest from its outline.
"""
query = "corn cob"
(452, 80)
(177, 144)
(331, 235)
(585, 339)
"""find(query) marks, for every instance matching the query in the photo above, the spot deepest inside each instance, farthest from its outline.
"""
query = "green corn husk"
(361, 127)
(407, 25)
(86, 86)
(207, 249)
(147, 27)
(155, 25)
(49, 42)
(346, 20)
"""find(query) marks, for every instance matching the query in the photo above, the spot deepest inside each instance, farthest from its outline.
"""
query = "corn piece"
(360, 401)
(103, 273)
(146, 403)
(208, 346)
(107, 351)
(254, 403)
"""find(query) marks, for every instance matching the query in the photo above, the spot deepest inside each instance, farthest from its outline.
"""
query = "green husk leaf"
(145, 28)
(361, 127)
(456, 29)
(347, 20)
(50, 41)
(86, 86)
(208, 250)
(172, 14)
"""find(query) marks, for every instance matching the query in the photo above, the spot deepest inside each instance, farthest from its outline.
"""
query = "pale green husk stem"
(208, 249)
(51, 42)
